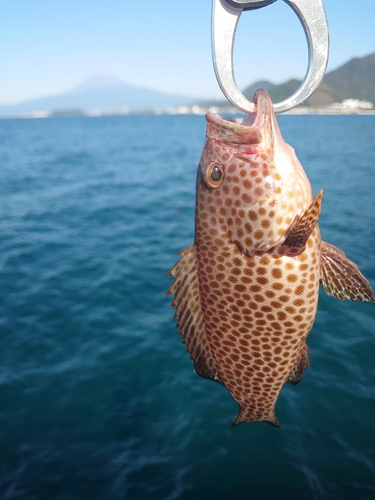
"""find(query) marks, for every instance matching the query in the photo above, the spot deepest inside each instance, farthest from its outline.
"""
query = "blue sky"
(50, 46)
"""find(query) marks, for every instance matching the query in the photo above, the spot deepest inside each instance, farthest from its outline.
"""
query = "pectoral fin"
(296, 239)
(341, 278)
(185, 289)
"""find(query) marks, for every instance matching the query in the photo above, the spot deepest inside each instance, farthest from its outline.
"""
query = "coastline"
(185, 110)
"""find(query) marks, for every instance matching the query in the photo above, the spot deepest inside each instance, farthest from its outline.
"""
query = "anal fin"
(341, 277)
(185, 289)
(302, 229)
(303, 362)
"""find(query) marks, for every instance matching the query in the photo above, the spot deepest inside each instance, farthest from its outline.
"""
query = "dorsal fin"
(341, 278)
(185, 289)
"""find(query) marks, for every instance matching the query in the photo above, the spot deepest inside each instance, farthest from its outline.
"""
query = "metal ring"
(224, 23)
(248, 4)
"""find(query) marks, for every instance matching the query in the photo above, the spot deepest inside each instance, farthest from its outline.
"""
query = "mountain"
(104, 93)
(277, 92)
(355, 79)
(100, 92)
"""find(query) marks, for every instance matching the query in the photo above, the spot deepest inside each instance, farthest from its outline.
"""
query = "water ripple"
(98, 396)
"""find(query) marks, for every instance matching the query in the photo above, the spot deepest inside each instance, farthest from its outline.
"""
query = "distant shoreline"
(330, 111)
(185, 110)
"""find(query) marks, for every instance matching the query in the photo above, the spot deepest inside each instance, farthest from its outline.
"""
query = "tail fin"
(249, 414)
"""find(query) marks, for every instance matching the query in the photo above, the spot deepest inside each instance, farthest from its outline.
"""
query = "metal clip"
(225, 16)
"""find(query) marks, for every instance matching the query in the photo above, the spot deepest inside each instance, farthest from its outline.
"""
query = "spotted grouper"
(246, 291)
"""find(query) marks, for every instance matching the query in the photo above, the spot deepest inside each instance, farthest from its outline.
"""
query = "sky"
(50, 46)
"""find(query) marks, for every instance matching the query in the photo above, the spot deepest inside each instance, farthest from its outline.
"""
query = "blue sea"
(98, 398)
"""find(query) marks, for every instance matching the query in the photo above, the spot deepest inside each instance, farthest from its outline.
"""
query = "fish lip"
(239, 130)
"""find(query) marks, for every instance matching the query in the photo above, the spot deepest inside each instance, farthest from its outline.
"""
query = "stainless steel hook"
(248, 4)
(225, 16)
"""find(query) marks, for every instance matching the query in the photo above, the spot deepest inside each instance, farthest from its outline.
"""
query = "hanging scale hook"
(225, 16)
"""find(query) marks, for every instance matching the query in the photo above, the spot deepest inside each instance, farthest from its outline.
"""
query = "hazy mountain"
(277, 92)
(101, 92)
(355, 79)
(261, 84)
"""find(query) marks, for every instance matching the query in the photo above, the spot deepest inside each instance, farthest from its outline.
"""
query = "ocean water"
(98, 398)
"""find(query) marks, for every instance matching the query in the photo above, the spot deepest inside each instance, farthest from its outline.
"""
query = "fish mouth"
(247, 130)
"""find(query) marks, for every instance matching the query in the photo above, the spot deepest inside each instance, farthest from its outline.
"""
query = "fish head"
(250, 185)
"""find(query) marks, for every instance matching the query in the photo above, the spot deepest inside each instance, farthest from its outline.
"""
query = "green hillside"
(355, 79)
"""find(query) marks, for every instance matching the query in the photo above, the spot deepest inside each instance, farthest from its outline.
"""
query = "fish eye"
(213, 175)
(216, 174)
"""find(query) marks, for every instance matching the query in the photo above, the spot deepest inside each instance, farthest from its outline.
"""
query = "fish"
(246, 291)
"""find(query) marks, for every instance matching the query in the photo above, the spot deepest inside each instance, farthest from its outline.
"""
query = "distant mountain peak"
(99, 81)
(100, 92)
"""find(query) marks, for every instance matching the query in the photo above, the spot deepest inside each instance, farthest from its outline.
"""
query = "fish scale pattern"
(246, 291)
(258, 312)
(253, 204)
